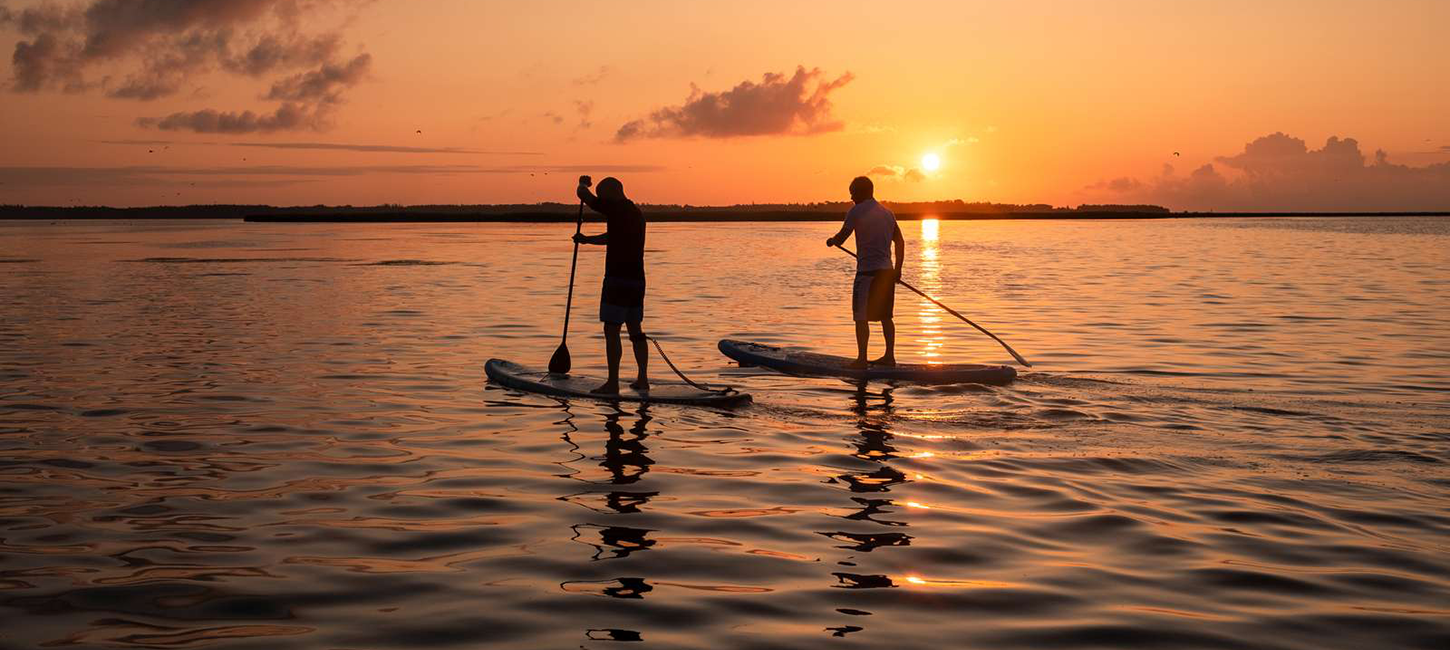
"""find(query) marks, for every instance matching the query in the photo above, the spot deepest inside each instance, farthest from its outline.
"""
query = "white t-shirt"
(874, 226)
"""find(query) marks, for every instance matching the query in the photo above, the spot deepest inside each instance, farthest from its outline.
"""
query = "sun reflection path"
(930, 338)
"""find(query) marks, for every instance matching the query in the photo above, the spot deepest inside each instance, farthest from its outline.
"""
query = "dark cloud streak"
(147, 175)
(379, 148)
(329, 146)
(287, 117)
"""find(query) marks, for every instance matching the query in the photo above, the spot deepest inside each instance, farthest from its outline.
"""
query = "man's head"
(861, 189)
(610, 189)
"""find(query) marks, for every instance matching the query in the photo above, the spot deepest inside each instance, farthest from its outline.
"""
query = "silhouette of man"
(873, 294)
(622, 299)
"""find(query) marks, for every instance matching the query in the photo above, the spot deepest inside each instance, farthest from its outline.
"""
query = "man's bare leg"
(863, 336)
(888, 329)
(641, 356)
(612, 351)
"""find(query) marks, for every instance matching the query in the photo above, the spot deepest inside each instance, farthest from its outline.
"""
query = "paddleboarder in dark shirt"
(622, 300)
(874, 292)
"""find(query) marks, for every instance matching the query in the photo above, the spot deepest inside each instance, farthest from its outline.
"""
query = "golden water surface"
(230, 435)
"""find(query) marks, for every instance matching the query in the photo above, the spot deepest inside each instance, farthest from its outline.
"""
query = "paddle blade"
(559, 364)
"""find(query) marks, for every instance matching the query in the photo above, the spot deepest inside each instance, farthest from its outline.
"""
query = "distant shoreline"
(263, 214)
(785, 217)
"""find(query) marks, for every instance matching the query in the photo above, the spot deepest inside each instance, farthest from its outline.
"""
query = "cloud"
(377, 148)
(323, 84)
(1120, 184)
(328, 146)
(798, 105)
(594, 77)
(585, 109)
(897, 173)
(273, 52)
(287, 117)
(1279, 172)
(150, 49)
(916, 174)
(142, 175)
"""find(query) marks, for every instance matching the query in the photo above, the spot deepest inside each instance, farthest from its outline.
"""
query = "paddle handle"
(953, 312)
(573, 266)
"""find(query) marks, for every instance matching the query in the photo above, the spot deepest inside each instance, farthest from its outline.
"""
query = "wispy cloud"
(149, 175)
(778, 105)
(584, 109)
(897, 173)
(136, 142)
(379, 148)
(287, 117)
(327, 146)
(594, 77)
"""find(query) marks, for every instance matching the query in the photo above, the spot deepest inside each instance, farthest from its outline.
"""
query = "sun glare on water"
(931, 162)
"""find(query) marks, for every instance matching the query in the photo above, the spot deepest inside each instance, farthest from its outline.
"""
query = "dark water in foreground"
(233, 435)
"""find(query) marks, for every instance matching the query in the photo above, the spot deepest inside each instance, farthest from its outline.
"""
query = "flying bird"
(1175, 153)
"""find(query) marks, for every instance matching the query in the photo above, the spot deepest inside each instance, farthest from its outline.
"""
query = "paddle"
(953, 312)
(560, 363)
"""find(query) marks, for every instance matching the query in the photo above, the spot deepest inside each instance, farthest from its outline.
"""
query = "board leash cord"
(727, 390)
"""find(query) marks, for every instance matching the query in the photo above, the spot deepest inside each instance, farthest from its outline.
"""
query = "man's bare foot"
(886, 361)
(609, 388)
(857, 364)
(641, 384)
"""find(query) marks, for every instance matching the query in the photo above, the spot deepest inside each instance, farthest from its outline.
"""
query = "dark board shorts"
(622, 300)
(874, 295)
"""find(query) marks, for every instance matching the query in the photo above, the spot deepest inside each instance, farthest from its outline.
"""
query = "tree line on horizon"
(237, 211)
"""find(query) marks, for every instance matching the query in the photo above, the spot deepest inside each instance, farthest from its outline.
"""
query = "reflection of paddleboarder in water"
(622, 300)
(874, 292)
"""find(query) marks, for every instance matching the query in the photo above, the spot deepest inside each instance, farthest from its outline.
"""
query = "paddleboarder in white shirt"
(873, 294)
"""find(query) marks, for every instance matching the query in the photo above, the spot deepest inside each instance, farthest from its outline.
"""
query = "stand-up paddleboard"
(513, 375)
(826, 365)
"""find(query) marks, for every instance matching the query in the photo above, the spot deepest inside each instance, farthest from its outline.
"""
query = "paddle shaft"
(573, 266)
(953, 312)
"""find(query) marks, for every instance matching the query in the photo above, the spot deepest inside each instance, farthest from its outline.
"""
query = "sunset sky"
(144, 102)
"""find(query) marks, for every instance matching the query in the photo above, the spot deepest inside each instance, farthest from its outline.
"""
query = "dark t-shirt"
(624, 255)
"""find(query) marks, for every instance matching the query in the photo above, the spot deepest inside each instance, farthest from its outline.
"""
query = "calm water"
(229, 435)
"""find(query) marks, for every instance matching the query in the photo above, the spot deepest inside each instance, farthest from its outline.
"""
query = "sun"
(931, 162)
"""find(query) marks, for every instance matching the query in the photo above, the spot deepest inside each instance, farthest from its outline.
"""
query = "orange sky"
(1022, 101)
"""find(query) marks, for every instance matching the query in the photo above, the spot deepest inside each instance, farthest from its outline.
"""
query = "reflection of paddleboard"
(513, 375)
(811, 363)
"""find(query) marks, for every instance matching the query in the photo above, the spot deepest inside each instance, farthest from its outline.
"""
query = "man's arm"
(840, 237)
(588, 198)
(592, 201)
(900, 242)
